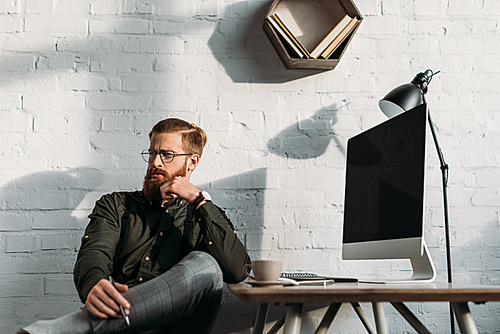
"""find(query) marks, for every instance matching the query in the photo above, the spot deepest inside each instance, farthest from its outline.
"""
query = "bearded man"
(168, 247)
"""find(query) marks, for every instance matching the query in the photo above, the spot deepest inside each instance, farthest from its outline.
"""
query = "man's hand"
(104, 299)
(178, 186)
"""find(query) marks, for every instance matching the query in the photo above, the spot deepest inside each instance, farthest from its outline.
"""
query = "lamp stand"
(444, 171)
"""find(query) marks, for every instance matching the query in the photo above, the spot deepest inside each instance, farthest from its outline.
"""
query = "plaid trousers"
(185, 299)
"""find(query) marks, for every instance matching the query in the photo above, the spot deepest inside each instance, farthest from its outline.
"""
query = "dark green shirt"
(152, 241)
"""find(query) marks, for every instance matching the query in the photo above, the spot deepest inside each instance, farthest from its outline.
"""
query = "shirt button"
(161, 233)
(166, 211)
(199, 219)
(147, 258)
(210, 243)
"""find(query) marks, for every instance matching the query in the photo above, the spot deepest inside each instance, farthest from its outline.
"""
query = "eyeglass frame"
(149, 152)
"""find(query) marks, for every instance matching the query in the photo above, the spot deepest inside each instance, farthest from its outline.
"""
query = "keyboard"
(301, 275)
(305, 276)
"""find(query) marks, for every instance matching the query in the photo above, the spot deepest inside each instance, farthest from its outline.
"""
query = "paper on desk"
(312, 282)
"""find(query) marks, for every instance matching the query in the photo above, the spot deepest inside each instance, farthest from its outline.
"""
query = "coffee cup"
(263, 270)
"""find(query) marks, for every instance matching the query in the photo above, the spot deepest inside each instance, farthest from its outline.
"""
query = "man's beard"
(151, 186)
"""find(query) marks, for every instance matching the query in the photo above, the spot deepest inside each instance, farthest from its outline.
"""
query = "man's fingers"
(100, 308)
(104, 299)
(121, 287)
(113, 297)
(95, 311)
(118, 298)
(179, 186)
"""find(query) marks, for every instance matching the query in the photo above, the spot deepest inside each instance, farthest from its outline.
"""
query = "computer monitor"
(384, 194)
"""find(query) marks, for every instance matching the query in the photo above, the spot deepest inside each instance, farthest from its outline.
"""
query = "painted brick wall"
(83, 81)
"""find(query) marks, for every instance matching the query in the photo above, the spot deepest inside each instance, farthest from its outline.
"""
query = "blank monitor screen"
(385, 174)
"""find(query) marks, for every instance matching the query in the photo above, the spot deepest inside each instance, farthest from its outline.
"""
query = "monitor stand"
(423, 271)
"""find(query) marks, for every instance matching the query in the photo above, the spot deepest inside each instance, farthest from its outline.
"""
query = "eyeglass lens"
(165, 156)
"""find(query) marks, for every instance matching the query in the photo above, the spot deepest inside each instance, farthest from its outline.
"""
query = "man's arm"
(216, 228)
(95, 261)
(221, 241)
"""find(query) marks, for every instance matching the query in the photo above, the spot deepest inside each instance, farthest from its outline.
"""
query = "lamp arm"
(444, 171)
(444, 165)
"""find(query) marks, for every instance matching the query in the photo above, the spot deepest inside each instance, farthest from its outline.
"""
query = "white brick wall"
(83, 81)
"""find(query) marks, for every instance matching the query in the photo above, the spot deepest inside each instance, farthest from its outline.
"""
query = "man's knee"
(206, 267)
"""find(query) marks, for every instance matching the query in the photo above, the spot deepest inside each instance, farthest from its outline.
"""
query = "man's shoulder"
(118, 202)
(121, 197)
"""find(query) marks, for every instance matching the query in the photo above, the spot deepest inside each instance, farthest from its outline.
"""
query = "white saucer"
(266, 284)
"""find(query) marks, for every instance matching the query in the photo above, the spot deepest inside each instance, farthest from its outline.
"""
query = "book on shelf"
(286, 37)
(276, 17)
(318, 50)
(339, 39)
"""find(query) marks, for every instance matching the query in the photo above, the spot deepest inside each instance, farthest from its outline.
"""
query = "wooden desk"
(336, 294)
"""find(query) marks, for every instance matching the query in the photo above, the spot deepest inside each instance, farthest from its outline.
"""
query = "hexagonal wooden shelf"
(314, 17)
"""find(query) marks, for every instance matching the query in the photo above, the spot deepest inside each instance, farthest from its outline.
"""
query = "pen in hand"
(125, 316)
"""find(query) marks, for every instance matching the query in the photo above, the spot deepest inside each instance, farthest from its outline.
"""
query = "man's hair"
(193, 137)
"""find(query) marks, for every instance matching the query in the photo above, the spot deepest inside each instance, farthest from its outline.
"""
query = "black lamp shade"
(401, 99)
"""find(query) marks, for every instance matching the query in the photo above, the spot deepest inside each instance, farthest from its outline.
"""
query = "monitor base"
(423, 271)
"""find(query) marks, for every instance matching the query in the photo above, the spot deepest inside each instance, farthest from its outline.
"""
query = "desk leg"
(464, 318)
(277, 326)
(260, 319)
(411, 318)
(362, 316)
(378, 313)
(293, 318)
(328, 318)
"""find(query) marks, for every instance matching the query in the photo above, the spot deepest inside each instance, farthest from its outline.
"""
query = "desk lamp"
(402, 99)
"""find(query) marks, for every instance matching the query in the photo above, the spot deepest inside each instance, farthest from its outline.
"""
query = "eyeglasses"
(166, 156)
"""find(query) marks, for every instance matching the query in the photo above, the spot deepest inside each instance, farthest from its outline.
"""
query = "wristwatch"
(203, 196)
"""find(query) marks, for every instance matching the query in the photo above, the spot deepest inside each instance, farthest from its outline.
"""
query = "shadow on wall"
(309, 138)
(242, 197)
(240, 45)
(51, 193)
(50, 208)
